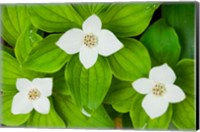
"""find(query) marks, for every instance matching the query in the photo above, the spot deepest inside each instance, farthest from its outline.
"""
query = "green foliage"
(11, 70)
(120, 96)
(25, 43)
(54, 18)
(7, 49)
(8, 118)
(60, 86)
(186, 109)
(182, 18)
(92, 85)
(72, 115)
(86, 10)
(46, 56)
(128, 19)
(126, 64)
(184, 116)
(8, 76)
(14, 19)
(28, 36)
(162, 43)
(185, 75)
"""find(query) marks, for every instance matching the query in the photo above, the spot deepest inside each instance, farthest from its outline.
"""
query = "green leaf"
(46, 56)
(162, 43)
(59, 84)
(128, 19)
(185, 75)
(88, 86)
(1, 104)
(54, 17)
(182, 18)
(126, 121)
(11, 70)
(50, 120)
(111, 112)
(72, 115)
(88, 9)
(138, 116)
(25, 43)
(14, 19)
(184, 116)
(141, 120)
(120, 96)
(7, 48)
(126, 64)
(8, 118)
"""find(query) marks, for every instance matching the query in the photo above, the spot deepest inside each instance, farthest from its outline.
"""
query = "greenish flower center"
(90, 40)
(159, 89)
(33, 94)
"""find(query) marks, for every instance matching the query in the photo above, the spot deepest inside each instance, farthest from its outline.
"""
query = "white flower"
(32, 94)
(89, 42)
(160, 90)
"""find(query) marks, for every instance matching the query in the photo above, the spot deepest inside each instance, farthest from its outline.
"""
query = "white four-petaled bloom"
(32, 94)
(89, 42)
(160, 90)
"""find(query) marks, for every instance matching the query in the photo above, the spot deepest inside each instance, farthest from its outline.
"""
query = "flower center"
(33, 94)
(90, 40)
(159, 89)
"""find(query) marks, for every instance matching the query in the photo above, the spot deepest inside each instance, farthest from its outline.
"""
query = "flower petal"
(174, 93)
(88, 56)
(42, 105)
(21, 104)
(143, 85)
(92, 24)
(154, 106)
(163, 74)
(71, 41)
(44, 85)
(24, 85)
(108, 43)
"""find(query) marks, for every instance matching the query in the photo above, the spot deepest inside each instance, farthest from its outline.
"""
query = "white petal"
(174, 94)
(24, 85)
(71, 41)
(21, 104)
(42, 105)
(44, 85)
(88, 56)
(108, 43)
(92, 24)
(163, 74)
(143, 85)
(154, 106)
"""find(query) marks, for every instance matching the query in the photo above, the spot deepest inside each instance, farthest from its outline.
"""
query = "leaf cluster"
(29, 34)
